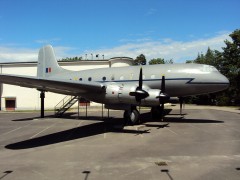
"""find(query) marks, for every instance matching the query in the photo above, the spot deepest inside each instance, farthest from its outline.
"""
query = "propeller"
(163, 96)
(139, 93)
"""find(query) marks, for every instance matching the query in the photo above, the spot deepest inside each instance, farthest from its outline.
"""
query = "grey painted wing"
(53, 85)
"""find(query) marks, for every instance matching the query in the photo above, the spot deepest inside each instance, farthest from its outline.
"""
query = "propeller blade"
(163, 84)
(133, 93)
(163, 97)
(139, 93)
(140, 79)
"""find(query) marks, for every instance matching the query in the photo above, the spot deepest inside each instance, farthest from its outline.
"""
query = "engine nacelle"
(152, 99)
(120, 94)
(111, 95)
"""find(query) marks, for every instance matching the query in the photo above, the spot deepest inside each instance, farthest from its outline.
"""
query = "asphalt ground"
(204, 144)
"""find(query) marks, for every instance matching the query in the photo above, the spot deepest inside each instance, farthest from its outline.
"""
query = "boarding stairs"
(64, 105)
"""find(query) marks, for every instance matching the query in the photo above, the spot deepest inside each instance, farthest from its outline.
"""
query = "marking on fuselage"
(146, 80)
(189, 81)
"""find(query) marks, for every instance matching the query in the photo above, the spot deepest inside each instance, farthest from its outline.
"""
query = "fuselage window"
(80, 79)
(121, 77)
(131, 76)
(153, 76)
(89, 79)
(112, 78)
(104, 78)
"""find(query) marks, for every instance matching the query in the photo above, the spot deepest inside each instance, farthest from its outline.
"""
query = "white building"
(20, 98)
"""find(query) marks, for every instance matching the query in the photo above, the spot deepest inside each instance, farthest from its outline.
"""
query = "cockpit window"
(207, 68)
(199, 69)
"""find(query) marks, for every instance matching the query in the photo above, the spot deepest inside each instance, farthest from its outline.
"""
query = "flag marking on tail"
(48, 70)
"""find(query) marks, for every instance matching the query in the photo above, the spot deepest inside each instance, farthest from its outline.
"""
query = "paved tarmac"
(204, 144)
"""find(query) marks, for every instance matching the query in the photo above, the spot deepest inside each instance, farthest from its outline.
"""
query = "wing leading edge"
(53, 85)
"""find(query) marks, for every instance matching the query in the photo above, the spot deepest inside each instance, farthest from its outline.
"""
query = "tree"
(170, 61)
(189, 61)
(157, 61)
(140, 60)
(71, 59)
(231, 65)
(160, 61)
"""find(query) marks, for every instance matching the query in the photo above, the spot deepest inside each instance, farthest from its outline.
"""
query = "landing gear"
(42, 96)
(131, 117)
(156, 112)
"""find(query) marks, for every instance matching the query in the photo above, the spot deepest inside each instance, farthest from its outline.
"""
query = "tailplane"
(47, 63)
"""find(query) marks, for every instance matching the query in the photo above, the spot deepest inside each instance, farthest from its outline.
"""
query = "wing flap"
(52, 85)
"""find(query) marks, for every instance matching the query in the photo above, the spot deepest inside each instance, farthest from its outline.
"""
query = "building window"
(89, 79)
(84, 102)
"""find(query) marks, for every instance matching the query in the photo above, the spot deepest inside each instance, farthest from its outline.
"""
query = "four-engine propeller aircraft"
(123, 88)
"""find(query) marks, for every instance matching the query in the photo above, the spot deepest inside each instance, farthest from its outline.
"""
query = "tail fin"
(47, 63)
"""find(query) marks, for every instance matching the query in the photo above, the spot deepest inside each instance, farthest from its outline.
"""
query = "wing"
(53, 85)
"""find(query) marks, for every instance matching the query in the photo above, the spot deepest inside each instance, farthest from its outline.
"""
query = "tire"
(131, 117)
(134, 117)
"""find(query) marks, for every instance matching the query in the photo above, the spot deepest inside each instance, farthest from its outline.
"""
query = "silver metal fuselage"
(181, 79)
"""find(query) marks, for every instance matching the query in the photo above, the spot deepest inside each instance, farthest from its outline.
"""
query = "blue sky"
(173, 29)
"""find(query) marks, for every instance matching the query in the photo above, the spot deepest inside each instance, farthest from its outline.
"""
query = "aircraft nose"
(223, 81)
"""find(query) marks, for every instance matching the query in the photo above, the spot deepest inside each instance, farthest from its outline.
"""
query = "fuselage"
(181, 79)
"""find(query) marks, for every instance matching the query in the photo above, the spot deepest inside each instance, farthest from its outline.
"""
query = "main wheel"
(131, 117)
(134, 117)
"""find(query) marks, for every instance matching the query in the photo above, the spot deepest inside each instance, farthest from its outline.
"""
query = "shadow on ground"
(146, 117)
(71, 134)
(100, 127)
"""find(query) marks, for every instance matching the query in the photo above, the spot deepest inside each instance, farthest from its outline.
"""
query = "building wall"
(29, 99)
(1, 89)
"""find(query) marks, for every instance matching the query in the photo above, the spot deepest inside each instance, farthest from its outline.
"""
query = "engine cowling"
(152, 99)
(121, 94)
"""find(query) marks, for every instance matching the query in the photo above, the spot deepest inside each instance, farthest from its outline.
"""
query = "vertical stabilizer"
(47, 63)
